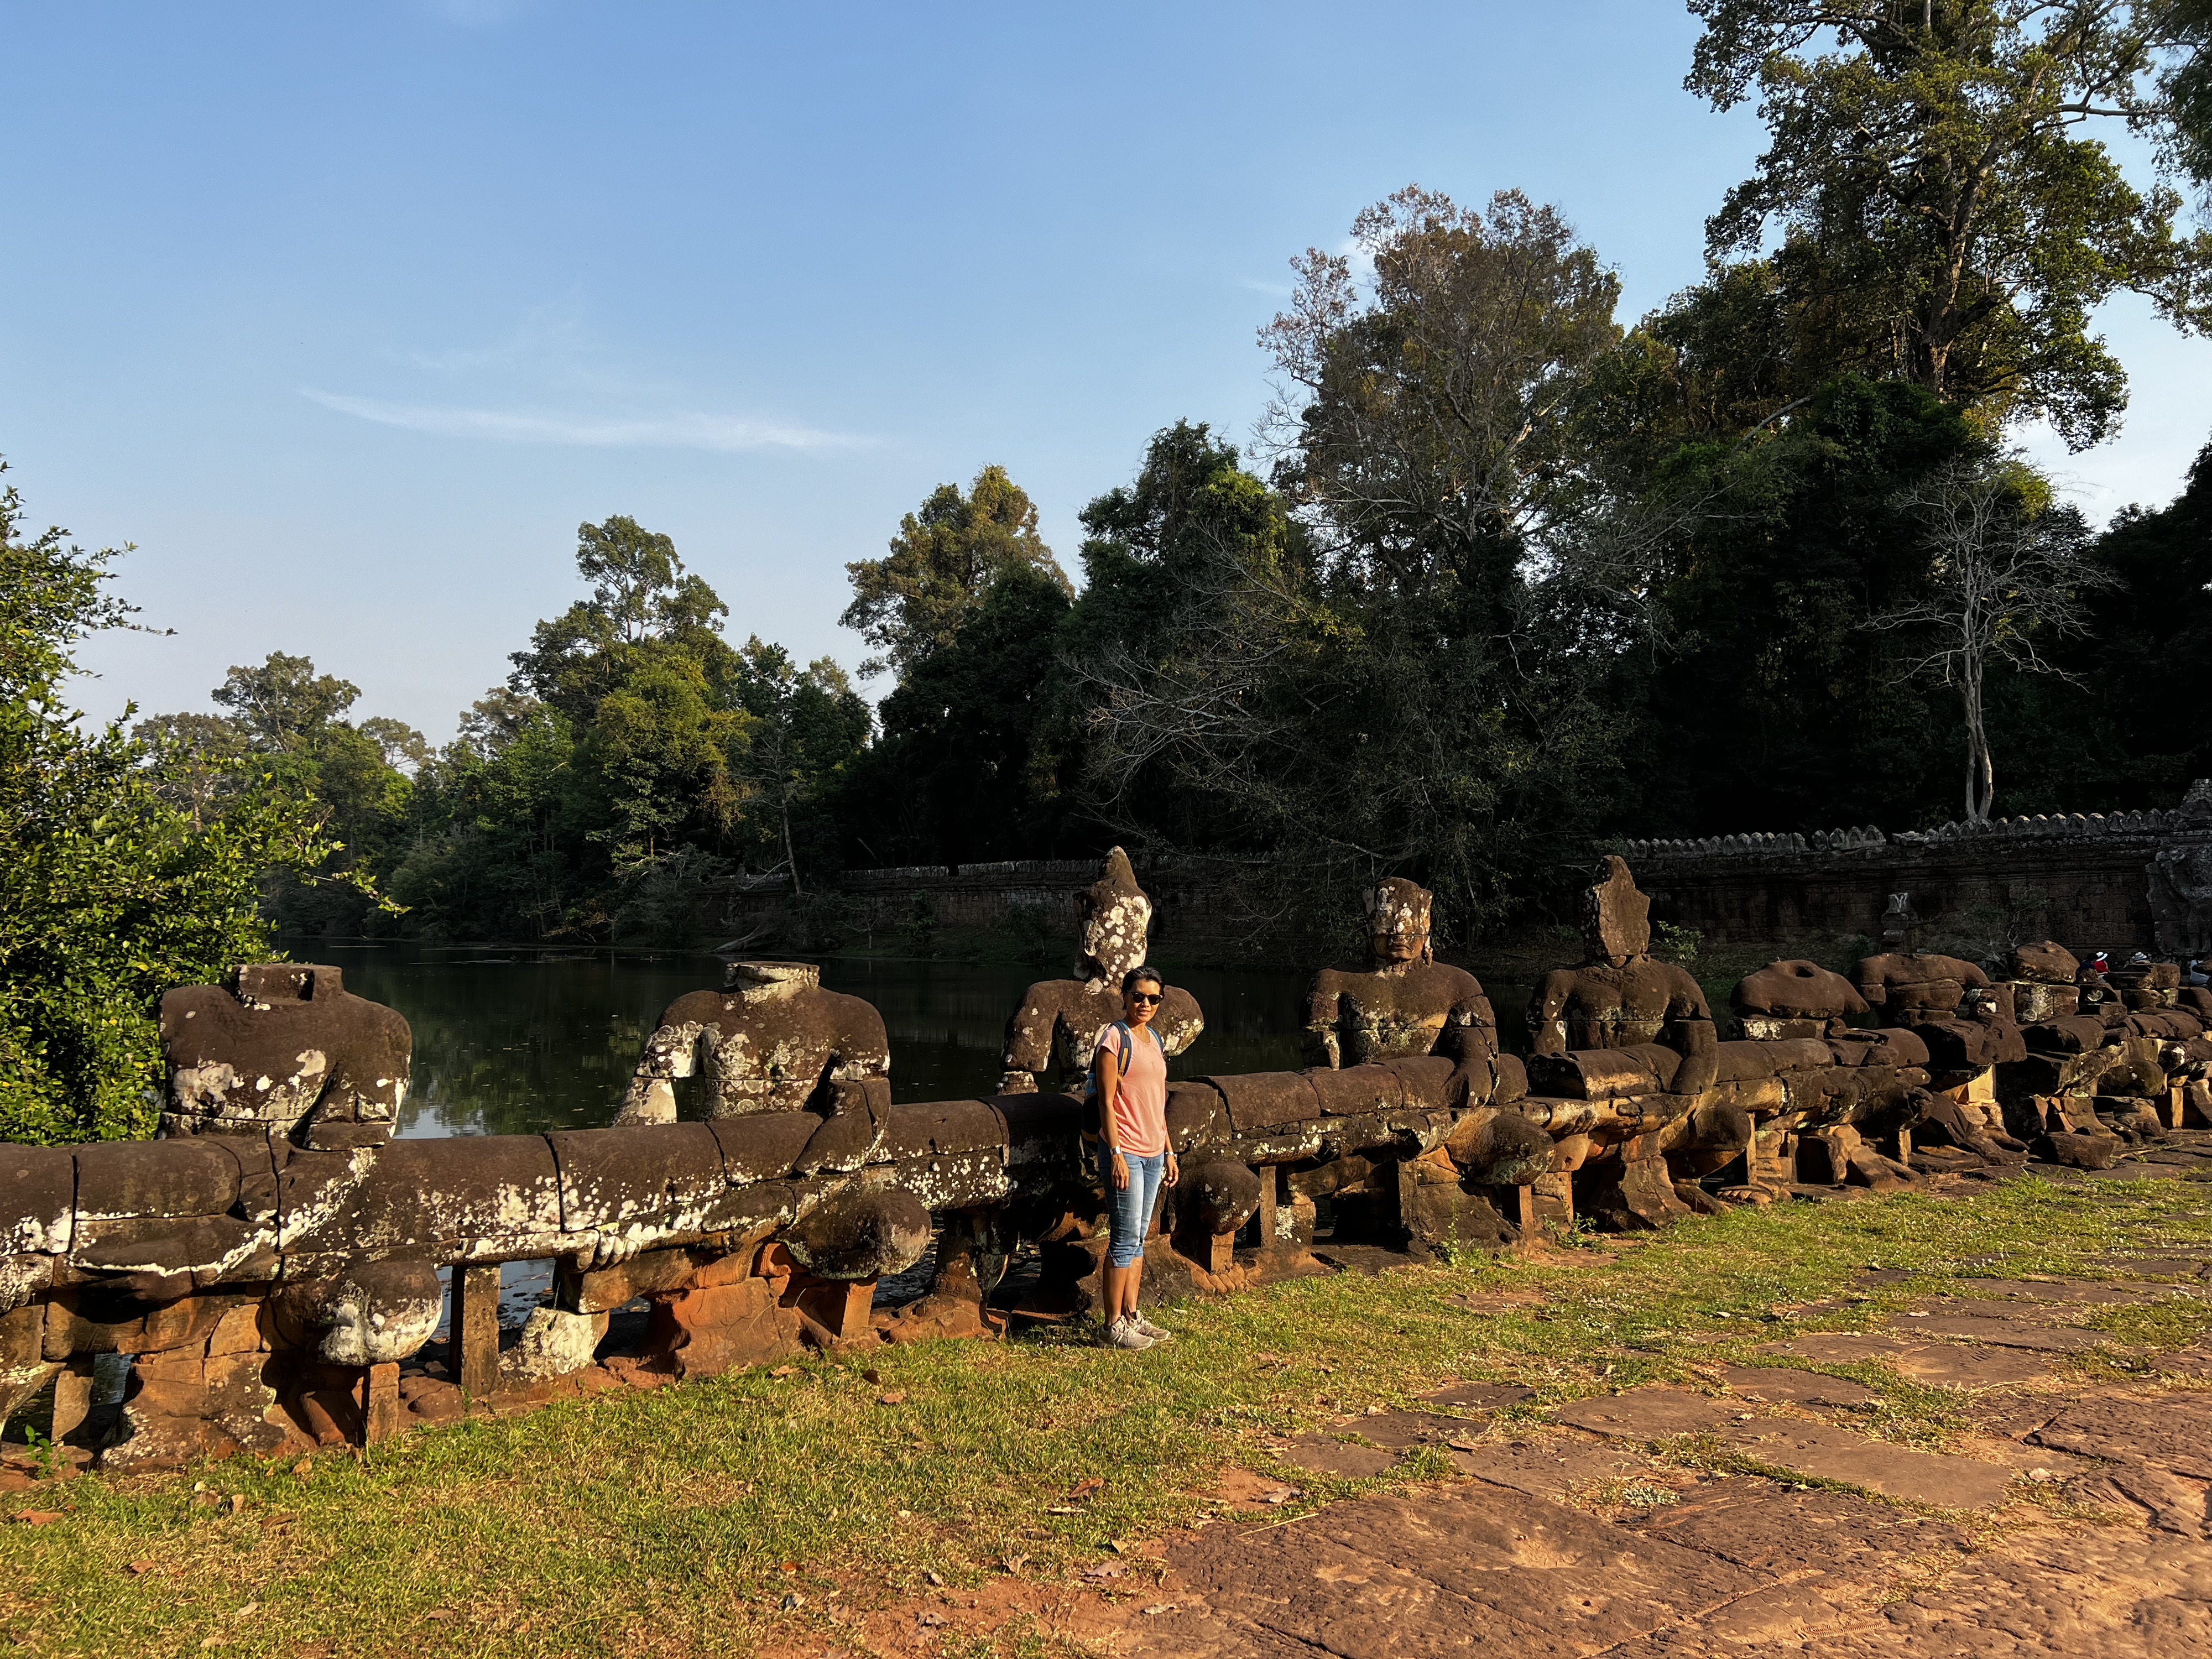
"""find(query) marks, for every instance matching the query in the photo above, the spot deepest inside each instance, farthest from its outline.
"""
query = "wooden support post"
(379, 1403)
(1903, 1146)
(1270, 1175)
(473, 1338)
(2176, 1107)
(72, 1399)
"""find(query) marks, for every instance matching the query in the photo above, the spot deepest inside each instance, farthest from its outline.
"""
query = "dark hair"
(1137, 976)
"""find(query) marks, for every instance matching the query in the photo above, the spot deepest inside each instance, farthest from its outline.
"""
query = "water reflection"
(516, 1042)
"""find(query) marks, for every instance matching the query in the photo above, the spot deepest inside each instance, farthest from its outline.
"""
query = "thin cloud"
(723, 433)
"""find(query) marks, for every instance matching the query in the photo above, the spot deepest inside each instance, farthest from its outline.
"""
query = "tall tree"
(1941, 216)
(941, 563)
(642, 596)
(809, 724)
(2010, 570)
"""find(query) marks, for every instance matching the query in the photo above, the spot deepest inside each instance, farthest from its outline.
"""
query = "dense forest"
(1503, 573)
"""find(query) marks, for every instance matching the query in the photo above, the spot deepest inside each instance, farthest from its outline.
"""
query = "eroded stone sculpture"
(1619, 998)
(1405, 1002)
(283, 1046)
(1059, 1021)
(772, 1040)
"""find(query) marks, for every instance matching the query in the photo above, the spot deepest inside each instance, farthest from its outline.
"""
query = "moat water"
(514, 1040)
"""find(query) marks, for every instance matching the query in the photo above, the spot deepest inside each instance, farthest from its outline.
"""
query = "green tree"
(641, 598)
(967, 768)
(943, 560)
(1773, 705)
(808, 727)
(2184, 28)
(1941, 216)
(110, 892)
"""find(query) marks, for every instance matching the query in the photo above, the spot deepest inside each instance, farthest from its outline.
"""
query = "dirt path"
(1761, 1520)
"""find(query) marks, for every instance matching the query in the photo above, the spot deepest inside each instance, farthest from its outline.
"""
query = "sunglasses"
(1148, 997)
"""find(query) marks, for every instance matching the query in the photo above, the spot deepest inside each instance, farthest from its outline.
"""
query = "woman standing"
(1131, 1069)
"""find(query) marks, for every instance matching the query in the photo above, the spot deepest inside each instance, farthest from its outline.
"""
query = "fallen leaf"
(871, 1375)
(783, 1371)
(137, 1567)
(304, 1467)
(1106, 1570)
(1063, 1508)
(1161, 1606)
(792, 1599)
(247, 1611)
(1282, 1495)
(1013, 1564)
(788, 1566)
(1085, 1486)
(237, 1502)
(36, 1517)
(931, 1620)
(1464, 1445)
(897, 1396)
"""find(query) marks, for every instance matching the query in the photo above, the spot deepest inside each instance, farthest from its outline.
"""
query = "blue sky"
(348, 316)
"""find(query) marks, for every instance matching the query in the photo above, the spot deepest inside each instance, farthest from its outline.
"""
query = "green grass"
(677, 1522)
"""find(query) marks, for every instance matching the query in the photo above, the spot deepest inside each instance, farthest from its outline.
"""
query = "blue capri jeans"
(1133, 1204)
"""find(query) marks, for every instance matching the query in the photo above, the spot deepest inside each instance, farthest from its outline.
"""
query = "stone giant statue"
(1061, 1018)
(772, 1040)
(1406, 1002)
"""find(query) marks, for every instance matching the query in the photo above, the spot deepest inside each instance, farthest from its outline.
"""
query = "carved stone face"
(1616, 918)
(1397, 921)
(1116, 917)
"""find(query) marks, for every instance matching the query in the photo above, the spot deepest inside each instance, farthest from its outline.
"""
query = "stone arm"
(672, 1052)
(1029, 1045)
(1689, 1032)
(1319, 1045)
(1179, 1022)
(1547, 1008)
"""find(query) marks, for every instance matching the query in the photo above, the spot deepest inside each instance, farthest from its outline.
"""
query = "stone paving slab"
(1999, 1333)
(1776, 1385)
(1822, 1450)
(1941, 1364)
(1477, 1567)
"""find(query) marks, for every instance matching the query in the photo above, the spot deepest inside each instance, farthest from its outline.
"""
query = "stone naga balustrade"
(272, 1267)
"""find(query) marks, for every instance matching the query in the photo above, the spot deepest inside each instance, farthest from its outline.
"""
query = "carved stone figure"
(1061, 1018)
(283, 1046)
(2181, 898)
(772, 1040)
(1898, 922)
(1619, 998)
(1406, 1002)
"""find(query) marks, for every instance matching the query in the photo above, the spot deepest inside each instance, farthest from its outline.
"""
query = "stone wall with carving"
(2088, 879)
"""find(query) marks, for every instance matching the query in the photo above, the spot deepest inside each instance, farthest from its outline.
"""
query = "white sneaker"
(1146, 1329)
(1124, 1333)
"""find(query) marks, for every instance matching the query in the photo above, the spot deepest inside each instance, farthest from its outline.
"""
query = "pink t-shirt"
(1141, 1107)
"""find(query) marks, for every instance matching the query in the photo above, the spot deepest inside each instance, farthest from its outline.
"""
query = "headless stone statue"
(283, 1047)
(772, 1040)
(1406, 1002)
(1619, 997)
(1061, 1018)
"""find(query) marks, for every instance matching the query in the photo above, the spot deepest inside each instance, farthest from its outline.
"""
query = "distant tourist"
(1129, 1079)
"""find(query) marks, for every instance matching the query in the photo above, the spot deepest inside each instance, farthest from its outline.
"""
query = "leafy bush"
(110, 892)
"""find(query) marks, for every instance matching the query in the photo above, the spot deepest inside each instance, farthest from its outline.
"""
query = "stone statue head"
(1397, 921)
(1616, 918)
(767, 981)
(1116, 916)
